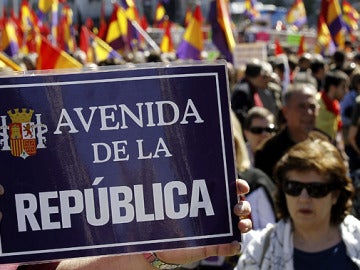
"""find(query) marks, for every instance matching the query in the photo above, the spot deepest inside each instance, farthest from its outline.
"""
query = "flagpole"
(146, 36)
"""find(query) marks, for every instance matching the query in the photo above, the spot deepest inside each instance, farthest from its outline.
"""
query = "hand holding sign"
(180, 256)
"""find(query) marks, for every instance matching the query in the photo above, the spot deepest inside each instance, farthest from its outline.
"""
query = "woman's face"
(308, 212)
(259, 131)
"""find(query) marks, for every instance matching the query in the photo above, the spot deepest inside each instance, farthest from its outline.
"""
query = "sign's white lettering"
(118, 204)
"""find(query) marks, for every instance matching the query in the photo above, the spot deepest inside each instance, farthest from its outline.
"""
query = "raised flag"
(192, 42)
(222, 35)
(96, 49)
(166, 44)
(45, 5)
(52, 57)
(10, 63)
(302, 46)
(143, 22)
(117, 29)
(350, 16)
(66, 31)
(27, 18)
(250, 10)
(160, 13)
(278, 48)
(297, 14)
(85, 44)
(331, 11)
(130, 9)
(102, 50)
(54, 20)
(188, 15)
(9, 42)
(324, 43)
(103, 25)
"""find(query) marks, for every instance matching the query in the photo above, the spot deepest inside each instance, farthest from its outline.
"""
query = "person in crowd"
(303, 73)
(318, 70)
(299, 110)
(169, 259)
(338, 60)
(253, 89)
(353, 137)
(313, 199)
(347, 106)
(259, 124)
(336, 85)
(262, 188)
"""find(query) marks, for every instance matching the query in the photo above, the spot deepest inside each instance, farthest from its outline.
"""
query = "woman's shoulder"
(351, 223)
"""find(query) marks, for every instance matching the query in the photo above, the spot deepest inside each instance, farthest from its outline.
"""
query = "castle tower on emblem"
(22, 133)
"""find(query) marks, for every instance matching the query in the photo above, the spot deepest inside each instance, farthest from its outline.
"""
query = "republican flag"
(250, 10)
(96, 49)
(160, 13)
(117, 29)
(66, 31)
(278, 48)
(85, 44)
(192, 42)
(222, 35)
(331, 12)
(302, 46)
(9, 63)
(103, 25)
(143, 22)
(9, 42)
(188, 15)
(350, 16)
(28, 18)
(52, 57)
(297, 14)
(324, 43)
(130, 9)
(44, 6)
(54, 20)
(166, 44)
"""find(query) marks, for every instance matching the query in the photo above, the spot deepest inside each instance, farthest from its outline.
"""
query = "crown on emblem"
(22, 116)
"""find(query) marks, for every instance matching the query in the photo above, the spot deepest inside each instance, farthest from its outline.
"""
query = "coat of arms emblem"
(24, 135)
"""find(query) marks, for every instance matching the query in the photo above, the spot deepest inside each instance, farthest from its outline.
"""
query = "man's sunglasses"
(260, 130)
(315, 190)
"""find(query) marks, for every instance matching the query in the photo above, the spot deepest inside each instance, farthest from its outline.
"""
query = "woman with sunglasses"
(314, 199)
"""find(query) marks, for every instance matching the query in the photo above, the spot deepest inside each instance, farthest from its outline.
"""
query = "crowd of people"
(296, 127)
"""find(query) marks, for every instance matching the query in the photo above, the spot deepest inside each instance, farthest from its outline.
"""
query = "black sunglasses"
(315, 190)
(260, 130)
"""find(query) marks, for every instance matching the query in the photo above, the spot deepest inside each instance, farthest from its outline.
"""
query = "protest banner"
(244, 52)
(115, 161)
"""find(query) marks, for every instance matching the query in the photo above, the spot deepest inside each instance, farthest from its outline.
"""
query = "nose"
(304, 194)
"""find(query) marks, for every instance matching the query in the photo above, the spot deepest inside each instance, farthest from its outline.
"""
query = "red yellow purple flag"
(166, 44)
(160, 13)
(52, 57)
(324, 43)
(302, 46)
(350, 16)
(117, 29)
(9, 42)
(250, 10)
(66, 32)
(297, 14)
(331, 12)
(10, 63)
(222, 35)
(278, 48)
(192, 42)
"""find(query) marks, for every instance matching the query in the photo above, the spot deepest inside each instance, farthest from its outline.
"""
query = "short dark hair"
(325, 159)
(257, 112)
(335, 77)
